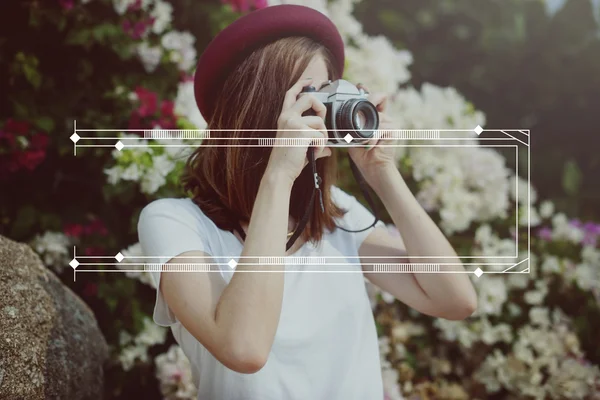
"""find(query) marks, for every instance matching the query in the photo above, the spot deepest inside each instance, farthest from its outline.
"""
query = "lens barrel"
(358, 117)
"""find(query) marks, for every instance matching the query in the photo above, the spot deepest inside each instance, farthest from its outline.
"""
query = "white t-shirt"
(325, 347)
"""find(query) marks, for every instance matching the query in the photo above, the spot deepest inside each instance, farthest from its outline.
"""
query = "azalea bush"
(116, 64)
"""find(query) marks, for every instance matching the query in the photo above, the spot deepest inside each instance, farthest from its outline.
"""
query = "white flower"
(137, 350)
(185, 105)
(133, 172)
(152, 181)
(519, 191)
(562, 230)
(340, 12)
(536, 297)
(587, 276)
(53, 248)
(391, 386)
(591, 256)
(131, 253)
(149, 55)
(377, 64)
(162, 14)
(174, 372)
(551, 265)
(540, 316)
(546, 209)
(434, 107)
(181, 47)
(492, 293)
(121, 6)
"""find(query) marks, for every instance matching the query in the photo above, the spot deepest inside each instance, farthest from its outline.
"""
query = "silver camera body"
(351, 118)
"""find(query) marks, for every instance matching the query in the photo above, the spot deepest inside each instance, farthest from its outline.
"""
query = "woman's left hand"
(371, 159)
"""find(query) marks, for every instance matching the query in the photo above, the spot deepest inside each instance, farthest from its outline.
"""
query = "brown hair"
(224, 181)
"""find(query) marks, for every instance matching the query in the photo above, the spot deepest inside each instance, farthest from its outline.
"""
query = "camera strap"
(317, 190)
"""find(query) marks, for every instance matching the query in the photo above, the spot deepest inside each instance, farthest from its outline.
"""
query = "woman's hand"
(290, 161)
(371, 160)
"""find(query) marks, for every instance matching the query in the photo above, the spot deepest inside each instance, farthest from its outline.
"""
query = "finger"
(325, 152)
(363, 87)
(308, 102)
(379, 100)
(292, 94)
(314, 122)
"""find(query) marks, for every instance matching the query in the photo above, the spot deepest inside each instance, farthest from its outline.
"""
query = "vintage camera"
(351, 117)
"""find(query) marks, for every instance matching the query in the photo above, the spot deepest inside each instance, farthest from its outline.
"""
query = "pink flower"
(74, 230)
(17, 127)
(245, 5)
(66, 4)
(545, 233)
(39, 141)
(30, 159)
(148, 102)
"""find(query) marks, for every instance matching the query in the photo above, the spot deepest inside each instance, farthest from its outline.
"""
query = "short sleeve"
(166, 229)
(357, 217)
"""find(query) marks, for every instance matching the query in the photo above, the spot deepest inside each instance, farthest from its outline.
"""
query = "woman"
(274, 335)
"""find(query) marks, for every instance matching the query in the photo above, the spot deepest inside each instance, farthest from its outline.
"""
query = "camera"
(351, 118)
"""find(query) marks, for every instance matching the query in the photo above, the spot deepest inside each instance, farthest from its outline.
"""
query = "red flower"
(148, 102)
(30, 159)
(18, 127)
(39, 141)
(90, 289)
(166, 108)
(97, 226)
(93, 251)
(8, 137)
(66, 4)
(74, 230)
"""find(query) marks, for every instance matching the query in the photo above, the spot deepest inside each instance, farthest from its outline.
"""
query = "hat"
(238, 40)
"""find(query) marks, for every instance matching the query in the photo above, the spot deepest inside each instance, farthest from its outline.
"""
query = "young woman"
(285, 335)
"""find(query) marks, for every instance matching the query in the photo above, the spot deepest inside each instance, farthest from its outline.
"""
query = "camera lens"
(358, 117)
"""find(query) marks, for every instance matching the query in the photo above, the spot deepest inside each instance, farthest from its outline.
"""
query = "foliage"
(127, 63)
(526, 64)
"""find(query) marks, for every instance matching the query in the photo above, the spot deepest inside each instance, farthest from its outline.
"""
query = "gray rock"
(50, 343)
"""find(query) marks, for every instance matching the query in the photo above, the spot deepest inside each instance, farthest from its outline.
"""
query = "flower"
(135, 261)
(136, 349)
(245, 5)
(162, 13)
(53, 248)
(174, 372)
(185, 105)
(149, 55)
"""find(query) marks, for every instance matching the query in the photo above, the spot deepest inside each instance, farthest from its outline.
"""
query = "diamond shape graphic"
(119, 145)
(478, 130)
(74, 263)
(75, 138)
(119, 257)
(232, 263)
(348, 138)
(478, 272)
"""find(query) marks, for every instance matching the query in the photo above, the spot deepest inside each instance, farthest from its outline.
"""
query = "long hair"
(224, 181)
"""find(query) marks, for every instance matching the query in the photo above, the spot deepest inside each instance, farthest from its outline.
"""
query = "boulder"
(50, 344)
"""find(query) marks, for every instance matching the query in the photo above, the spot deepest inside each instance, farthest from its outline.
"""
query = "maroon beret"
(234, 43)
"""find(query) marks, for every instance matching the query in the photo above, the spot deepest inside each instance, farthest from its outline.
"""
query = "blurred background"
(123, 65)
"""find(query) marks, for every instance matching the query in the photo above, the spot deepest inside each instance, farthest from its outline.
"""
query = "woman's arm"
(445, 295)
(238, 327)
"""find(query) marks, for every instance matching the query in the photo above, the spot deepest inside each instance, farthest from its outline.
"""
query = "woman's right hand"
(291, 160)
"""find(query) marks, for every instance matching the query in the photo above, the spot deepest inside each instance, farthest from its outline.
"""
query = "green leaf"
(571, 179)
(44, 123)
(78, 37)
(24, 221)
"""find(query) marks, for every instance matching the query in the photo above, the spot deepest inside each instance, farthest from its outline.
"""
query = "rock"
(50, 343)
